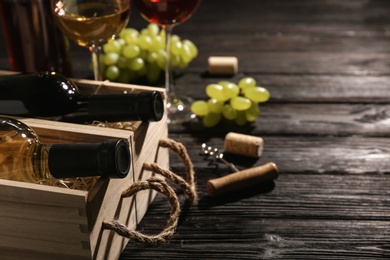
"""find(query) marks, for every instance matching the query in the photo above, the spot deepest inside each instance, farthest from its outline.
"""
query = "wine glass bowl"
(167, 14)
(91, 23)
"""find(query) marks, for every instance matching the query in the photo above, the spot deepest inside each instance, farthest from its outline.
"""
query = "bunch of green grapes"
(234, 102)
(136, 54)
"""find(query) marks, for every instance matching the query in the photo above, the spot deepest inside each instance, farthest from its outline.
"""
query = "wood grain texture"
(54, 222)
(326, 126)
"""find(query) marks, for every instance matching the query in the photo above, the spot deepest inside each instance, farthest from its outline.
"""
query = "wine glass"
(91, 23)
(168, 13)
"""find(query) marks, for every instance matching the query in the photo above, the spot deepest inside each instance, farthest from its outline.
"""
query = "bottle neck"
(143, 106)
(109, 159)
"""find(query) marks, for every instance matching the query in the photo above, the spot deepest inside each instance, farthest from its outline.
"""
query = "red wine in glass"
(169, 13)
(165, 12)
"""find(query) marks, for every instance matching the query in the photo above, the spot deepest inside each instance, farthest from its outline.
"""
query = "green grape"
(241, 118)
(114, 46)
(127, 75)
(182, 64)
(143, 54)
(122, 62)
(174, 38)
(215, 106)
(200, 108)
(211, 119)
(142, 71)
(112, 72)
(185, 53)
(226, 99)
(130, 35)
(157, 43)
(162, 34)
(124, 76)
(175, 60)
(192, 47)
(121, 43)
(128, 32)
(131, 51)
(152, 57)
(247, 82)
(228, 112)
(152, 72)
(254, 109)
(240, 103)
(131, 39)
(153, 29)
(136, 64)
(249, 117)
(176, 47)
(144, 31)
(110, 58)
(161, 58)
(144, 42)
(230, 89)
(257, 94)
(216, 91)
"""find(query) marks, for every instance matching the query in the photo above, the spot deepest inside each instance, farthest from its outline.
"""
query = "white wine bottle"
(49, 94)
(24, 158)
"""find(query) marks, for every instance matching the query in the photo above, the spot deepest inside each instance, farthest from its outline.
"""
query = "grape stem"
(95, 51)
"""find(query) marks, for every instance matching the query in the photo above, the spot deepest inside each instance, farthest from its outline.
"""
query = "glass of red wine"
(167, 14)
(91, 23)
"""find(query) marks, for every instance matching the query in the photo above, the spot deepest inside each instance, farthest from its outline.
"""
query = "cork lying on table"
(242, 179)
(245, 145)
(222, 65)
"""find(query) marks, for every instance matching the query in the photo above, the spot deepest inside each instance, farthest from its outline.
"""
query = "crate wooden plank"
(52, 222)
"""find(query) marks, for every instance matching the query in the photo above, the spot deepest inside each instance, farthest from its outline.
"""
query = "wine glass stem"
(169, 87)
(97, 71)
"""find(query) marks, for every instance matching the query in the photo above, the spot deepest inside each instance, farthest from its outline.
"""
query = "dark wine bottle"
(24, 158)
(49, 94)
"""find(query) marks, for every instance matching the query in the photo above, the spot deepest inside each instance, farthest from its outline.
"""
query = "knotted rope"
(181, 151)
(137, 237)
(161, 186)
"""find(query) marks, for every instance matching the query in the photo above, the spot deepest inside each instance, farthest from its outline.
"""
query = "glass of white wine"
(91, 23)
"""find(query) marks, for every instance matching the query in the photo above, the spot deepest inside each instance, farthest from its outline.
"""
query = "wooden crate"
(45, 222)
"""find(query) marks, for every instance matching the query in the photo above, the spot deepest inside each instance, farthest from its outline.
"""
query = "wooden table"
(326, 64)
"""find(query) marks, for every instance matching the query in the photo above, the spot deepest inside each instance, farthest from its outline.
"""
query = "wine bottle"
(34, 42)
(49, 94)
(24, 158)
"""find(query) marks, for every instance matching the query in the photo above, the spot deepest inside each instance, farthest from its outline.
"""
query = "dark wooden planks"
(299, 154)
(303, 215)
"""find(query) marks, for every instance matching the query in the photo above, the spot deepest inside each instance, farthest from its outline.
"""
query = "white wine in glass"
(168, 13)
(91, 23)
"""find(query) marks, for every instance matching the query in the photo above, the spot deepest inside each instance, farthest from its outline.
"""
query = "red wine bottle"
(49, 94)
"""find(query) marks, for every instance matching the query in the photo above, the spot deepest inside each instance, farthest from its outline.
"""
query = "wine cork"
(242, 179)
(241, 144)
(223, 65)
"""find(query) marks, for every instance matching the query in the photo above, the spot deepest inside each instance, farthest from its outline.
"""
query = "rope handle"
(161, 186)
(137, 237)
(181, 151)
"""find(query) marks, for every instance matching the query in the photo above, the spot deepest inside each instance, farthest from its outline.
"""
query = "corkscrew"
(215, 154)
